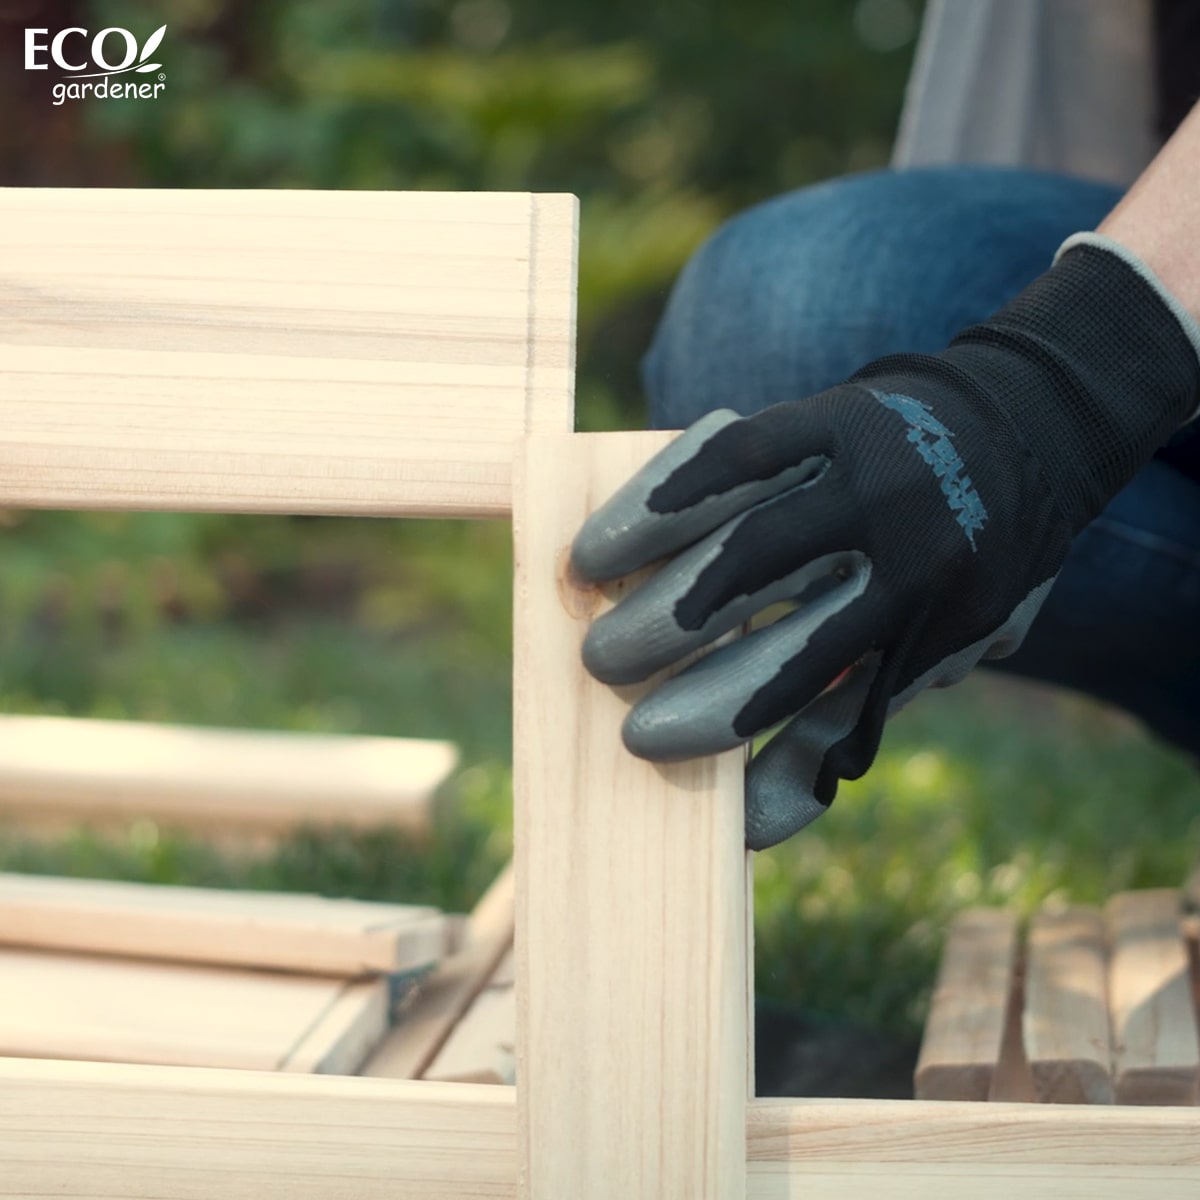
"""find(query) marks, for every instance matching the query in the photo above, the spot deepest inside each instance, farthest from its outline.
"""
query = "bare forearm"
(1159, 218)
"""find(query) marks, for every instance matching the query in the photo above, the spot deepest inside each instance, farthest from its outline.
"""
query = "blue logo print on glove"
(933, 442)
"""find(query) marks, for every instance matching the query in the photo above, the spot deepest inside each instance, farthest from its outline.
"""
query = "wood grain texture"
(265, 930)
(1066, 1027)
(215, 779)
(117, 1010)
(911, 1150)
(429, 1016)
(105, 1132)
(345, 1034)
(1156, 1053)
(280, 351)
(482, 1046)
(965, 1028)
(899, 1132)
(631, 889)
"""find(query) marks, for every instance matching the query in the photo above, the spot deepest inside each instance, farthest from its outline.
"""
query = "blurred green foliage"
(664, 120)
(992, 792)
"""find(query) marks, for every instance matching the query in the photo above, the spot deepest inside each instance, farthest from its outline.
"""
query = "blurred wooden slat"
(265, 930)
(428, 1019)
(1012, 1081)
(76, 1006)
(481, 1047)
(280, 351)
(1066, 1008)
(214, 779)
(346, 1034)
(1156, 1052)
(965, 1028)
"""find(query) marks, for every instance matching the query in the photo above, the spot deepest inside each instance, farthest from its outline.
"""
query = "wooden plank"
(481, 1047)
(438, 1004)
(279, 351)
(911, 1150)
(345, 1034)
(553, 287)
(965, 1028)
(1156, 1053)
(1066, 1030)
(631, 881)
(1012, 1081)
(107, 1132)
(263, 930)
(215, 779)
(117, 1010)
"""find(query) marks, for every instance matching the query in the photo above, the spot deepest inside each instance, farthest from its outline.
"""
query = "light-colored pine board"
(1156, 1053)
(553, 288)
(631, 882)
(481, 1048)
(428, 1018)
(108, 1132)
(118, 1010)
(345, 1033)
(1066, 1029)
(280, 351)
(274, 930)
(215, 779)
(965, 1027)
(911, 1150)
(751, 1081)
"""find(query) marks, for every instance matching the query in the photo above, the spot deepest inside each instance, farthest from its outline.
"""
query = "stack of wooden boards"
(66, 770)
(141, 973)
(1095, 1007)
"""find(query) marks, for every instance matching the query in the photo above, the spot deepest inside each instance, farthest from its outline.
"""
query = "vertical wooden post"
(632, 947)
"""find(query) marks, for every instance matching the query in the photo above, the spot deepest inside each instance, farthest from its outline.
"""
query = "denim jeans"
(795, 294)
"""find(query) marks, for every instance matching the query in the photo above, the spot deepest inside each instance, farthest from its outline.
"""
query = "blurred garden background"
(664, 119)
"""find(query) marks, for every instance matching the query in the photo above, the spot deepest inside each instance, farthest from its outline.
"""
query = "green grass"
(994, 793)
(990, 792)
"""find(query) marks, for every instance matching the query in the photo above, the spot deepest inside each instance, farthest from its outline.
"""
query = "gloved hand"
(915, 515)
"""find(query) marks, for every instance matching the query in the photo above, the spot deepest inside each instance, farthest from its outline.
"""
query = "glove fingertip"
(663, 728)
(776, 810)
(591, 551)
(607, 654)
(623, 534)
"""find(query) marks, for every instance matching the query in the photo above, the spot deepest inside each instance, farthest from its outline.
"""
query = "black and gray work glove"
(915, 517)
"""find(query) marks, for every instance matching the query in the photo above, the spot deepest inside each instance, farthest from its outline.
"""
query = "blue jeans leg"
(794, 295)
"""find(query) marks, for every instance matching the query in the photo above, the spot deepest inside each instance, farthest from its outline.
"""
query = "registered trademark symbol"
(161, 77)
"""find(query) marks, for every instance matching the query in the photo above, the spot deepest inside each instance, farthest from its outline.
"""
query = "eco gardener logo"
(89, 66)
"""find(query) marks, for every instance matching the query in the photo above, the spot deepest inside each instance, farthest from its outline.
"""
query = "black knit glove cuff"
(1094, 365)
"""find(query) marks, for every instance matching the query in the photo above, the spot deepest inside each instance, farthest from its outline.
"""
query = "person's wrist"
(1093, 366)
(1171, 286)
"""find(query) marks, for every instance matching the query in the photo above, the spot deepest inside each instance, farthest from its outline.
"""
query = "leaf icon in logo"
(152, 44)
(147, 67)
